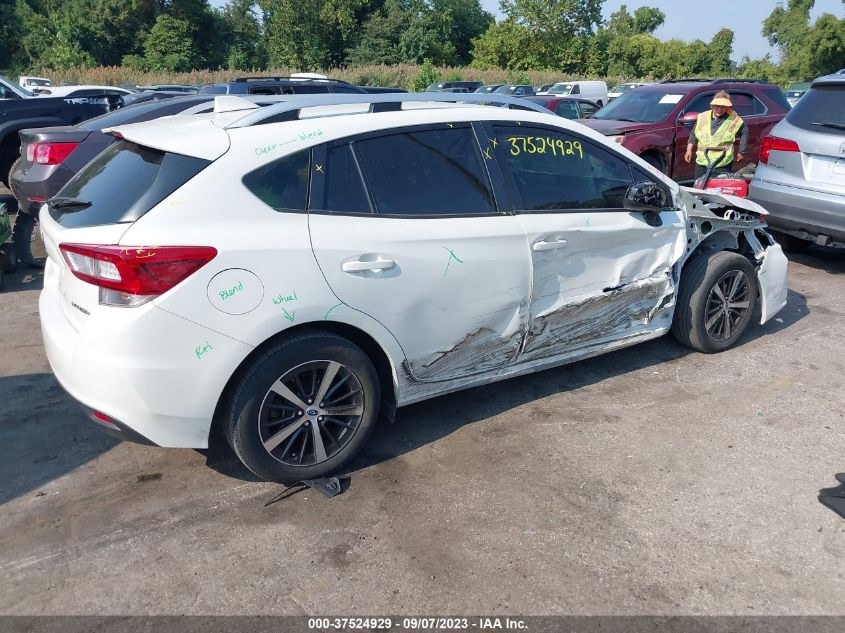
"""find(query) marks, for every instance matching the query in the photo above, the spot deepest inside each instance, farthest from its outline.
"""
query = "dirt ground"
(649, 481)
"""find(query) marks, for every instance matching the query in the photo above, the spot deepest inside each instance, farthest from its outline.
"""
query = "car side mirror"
(689, 118)
(647, 198)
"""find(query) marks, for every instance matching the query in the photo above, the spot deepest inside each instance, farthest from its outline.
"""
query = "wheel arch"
(374, 350)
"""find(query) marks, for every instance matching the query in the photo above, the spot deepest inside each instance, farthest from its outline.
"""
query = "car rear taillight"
(49, 153)
(775, 143)
(132, 275)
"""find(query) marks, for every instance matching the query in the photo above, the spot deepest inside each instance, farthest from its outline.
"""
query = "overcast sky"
(689, 20)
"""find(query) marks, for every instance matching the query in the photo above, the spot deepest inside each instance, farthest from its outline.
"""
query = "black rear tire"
(696, 298)
(250, 430)
(12, 188)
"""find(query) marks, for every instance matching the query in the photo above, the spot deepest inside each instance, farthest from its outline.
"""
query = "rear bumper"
(796, 209)
(138, 366)
(39, 181)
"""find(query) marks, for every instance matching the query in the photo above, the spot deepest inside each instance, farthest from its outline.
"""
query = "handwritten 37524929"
(203, 349)
(226, 293)
(543, 145)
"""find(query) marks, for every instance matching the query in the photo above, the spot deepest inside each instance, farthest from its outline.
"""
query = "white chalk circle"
(235, 291)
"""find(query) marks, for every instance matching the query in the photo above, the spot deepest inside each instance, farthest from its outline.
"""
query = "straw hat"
(722, 99)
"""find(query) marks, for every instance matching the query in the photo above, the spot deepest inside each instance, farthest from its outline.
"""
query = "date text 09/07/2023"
(417, 623)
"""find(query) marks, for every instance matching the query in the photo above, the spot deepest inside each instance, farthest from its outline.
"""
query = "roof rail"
(299, 79)
(739, 81)
(290, 109)
(686, 80)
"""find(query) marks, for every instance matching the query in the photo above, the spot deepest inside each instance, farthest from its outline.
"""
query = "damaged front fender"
(719, 222)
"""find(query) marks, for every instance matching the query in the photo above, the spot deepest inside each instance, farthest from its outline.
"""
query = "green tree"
(381, 35)
(11, 29)
(506, 44)
(242, 32)
(560, 29)
(170, 45)
(827, 43)
(465, 20)
(426, 76)
(720, 49)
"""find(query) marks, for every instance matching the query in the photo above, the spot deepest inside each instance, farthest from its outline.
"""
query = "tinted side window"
(567, 109)
(556, 170)
(308, 89)
(344, 189)
(264, 90)
(282, 184)
(587, 109)
(745, 105)
(430, 172)
(777, 96)
(700, 104)
(576, 90)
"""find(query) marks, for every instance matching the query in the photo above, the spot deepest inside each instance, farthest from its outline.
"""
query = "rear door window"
(587, 109)
(123, 183)
(821, 110)
(426, 172)
(343, 191)
(746, 105)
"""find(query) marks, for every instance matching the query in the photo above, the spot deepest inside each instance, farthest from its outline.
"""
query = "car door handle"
(540, 245)
(359, 266)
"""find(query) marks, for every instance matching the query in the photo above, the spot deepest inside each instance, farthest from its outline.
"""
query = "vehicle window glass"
(429, 172)
(556, 170)
(567, 109)
(576, 90)
(123, 183)
(778, 97)
(744, 104)
(213, 90)
(264, 90)
(340, 88)
(641, 106)
(700, 104)
(587, 109)
(282, 184)
(343, 190)
(310, 89)
(821, 110)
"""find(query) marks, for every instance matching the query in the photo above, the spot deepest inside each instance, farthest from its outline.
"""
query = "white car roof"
(319, 118)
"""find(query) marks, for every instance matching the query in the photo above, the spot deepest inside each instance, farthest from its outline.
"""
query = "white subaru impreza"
(295, 270)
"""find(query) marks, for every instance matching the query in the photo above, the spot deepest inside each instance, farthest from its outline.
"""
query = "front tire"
(304, 408)
(716, 301)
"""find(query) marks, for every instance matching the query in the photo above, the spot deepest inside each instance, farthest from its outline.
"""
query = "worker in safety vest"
(717, 130)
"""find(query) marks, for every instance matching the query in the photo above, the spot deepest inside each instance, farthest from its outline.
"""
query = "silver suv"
(801, 176)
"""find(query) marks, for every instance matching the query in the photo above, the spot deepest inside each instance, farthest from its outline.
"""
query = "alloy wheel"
(310, 413)
(727, 305)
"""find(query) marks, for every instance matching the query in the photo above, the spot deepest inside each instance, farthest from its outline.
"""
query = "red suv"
(655, 121)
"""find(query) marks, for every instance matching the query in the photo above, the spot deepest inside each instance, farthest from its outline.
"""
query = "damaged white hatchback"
(288, 273)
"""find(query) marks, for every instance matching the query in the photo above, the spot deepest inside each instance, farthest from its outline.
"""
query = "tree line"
(567, 36)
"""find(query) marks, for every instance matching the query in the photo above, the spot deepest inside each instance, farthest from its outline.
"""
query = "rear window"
(822, 109)
(123, 183)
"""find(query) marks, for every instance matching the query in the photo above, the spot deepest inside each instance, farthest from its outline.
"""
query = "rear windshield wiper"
(71, 204)
(833, 124)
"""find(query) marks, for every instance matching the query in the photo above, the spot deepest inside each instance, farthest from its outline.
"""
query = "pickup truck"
(20, 109)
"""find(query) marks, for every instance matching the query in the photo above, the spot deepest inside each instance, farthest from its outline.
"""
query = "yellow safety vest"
(724, 138)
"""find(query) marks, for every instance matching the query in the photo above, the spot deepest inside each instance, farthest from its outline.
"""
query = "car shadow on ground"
(430, 421)
(830, 260)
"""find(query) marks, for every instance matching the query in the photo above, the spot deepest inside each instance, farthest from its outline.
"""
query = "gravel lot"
(648, 481)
